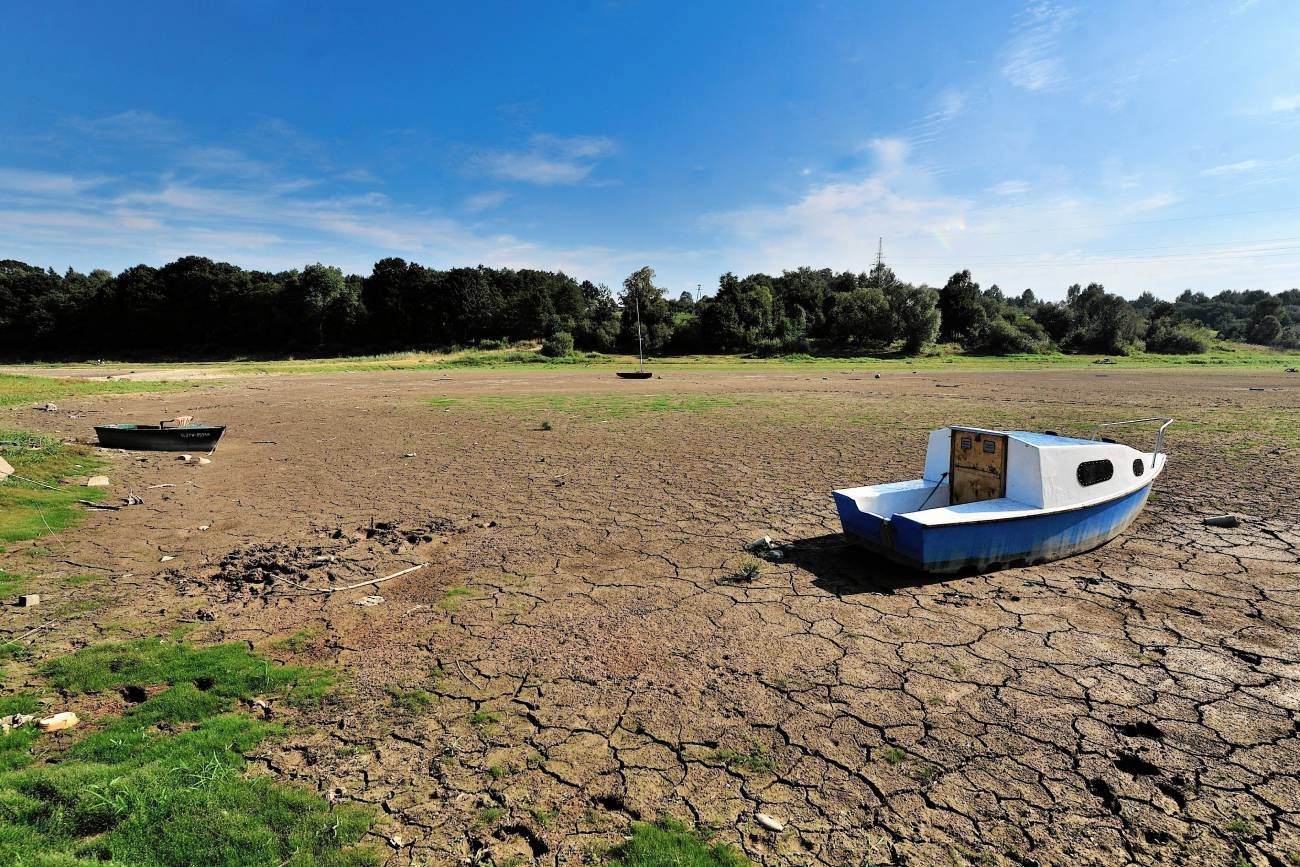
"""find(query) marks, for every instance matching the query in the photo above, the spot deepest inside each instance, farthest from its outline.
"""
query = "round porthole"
(1138, 467)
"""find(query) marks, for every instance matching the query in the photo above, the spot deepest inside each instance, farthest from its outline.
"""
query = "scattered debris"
(1223, 521)
(946, 385)
(877, 376)
(15, 721)
(366, 601)
(29, 600)
(5, 470)
(97, 482)
(1105, 361)
(264, 706)
(205, 615)
(166, 558)
(409, 455)
(264, 442)
(770, 823)
(203, 462)
(49, 407)
(132, 500)
(204, 526)
(98, 507)
(166, 485)
(60, 721)
(185, 458)
(1291, 370)
(765, 548)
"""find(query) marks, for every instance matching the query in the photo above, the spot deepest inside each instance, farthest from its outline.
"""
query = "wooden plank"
(978, 467)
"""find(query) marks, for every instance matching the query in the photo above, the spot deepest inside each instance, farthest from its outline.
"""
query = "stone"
(166, 558)
(203, 462)
(1222, 521)
(772, 824)
(14, 721)
(5, 470)
(97, 482)
(370, 600)
(60, 721)
(49, 407)
(29, 600)
(203, 526)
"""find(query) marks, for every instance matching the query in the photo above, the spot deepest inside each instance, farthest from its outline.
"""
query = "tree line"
(195, 308)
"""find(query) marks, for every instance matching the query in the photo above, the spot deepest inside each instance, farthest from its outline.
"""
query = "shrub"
(558, 345)
(1177, 338)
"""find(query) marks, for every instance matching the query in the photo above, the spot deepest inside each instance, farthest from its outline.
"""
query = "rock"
(49, 407)
(204, 614)
(203, 526)
(29, 600)
(5, 470)
(774, 825)
(409, 455)
(370, 600)
(877, 376)
(1291, 370)
(166, 558)
(1222, 521)
(59, 722)
(97, 482)
(203, 462)
(14, 721)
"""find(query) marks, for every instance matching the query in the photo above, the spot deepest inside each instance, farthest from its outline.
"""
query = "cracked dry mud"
(573, 656)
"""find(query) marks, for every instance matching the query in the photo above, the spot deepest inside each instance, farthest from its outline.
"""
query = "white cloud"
(547, 161)
(890, 152)
(1009, 188)
(1285, 104)
(1155, 202)
(485, 201)
(1033, 60)
(45, 183)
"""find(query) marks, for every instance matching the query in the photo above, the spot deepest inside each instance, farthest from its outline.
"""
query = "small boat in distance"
(992, 499)
(640, 372)
(160, 437)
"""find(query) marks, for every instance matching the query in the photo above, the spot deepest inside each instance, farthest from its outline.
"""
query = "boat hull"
(995, 543)
(198, 438)
(634, 374)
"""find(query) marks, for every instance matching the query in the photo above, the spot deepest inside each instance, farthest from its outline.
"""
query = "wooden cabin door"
(978, 470)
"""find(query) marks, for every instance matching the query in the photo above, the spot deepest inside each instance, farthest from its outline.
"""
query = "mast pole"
(639, 354)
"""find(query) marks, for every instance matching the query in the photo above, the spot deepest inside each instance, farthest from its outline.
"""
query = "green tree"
(961, 311)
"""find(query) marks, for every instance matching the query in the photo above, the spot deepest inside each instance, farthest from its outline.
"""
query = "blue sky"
(1151, 145)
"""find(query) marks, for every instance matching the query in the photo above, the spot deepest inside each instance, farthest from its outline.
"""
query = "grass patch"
(15, 389)
(29, 511)
(893, 755)
(452, 598)
(668, 842)
(486, 718)
(754, 760)
(164, 784)
(11, 583)
(412, 701)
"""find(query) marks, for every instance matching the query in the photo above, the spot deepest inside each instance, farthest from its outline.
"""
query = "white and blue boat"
(993, 499)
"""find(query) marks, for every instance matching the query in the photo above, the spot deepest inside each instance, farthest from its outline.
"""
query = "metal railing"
(1160, 433)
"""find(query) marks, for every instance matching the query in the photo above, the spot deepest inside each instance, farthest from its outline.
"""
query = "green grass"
(754, 760)
(452, 598)
(670, 844)
(11, 584)
(486, 718)
(15, 389)
(29, 511)
(164, 783)
(893, 755)
(526, 357)
(412, 701)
